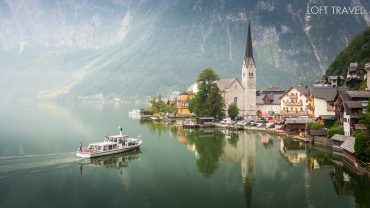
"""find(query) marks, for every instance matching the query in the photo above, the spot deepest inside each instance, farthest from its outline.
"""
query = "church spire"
(248, 48)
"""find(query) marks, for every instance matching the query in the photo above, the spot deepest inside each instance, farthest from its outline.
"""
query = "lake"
(173, 168)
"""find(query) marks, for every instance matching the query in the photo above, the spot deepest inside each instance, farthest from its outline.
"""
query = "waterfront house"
(322, 101)
(297, 126)
(294, 101)
(182, 104)
(338, 140)
(314, 134)
(348, 107)
(348, 148)
(206, 121)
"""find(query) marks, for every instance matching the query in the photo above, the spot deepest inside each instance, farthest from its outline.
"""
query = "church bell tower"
(249, 78)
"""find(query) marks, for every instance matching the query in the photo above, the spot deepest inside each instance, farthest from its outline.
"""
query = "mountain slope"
(137, 48)
(358, 50)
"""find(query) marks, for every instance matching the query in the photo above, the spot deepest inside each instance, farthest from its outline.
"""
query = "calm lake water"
(173, 168)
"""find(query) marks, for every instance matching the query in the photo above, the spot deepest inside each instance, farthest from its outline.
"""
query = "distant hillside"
(358, 50)
(130, 49)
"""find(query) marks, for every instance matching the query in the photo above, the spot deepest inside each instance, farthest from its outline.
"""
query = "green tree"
(362, 141)
(233, 111)
(159, 106)
(208, 101)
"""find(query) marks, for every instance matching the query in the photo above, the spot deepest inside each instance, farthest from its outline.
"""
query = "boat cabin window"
(110, 147)
(114, 146)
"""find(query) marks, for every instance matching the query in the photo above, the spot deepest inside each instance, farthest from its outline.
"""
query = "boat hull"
(108, 152)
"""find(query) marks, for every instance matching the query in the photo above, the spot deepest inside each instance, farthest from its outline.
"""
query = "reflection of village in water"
(212, 146)
(116, 161)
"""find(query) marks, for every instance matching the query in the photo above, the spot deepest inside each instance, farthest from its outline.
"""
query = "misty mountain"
(134, 48)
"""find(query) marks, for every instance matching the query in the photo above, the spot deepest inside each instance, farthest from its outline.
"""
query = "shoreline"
(354, 166)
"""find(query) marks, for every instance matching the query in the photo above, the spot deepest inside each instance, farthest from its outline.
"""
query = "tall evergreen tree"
(208, 101)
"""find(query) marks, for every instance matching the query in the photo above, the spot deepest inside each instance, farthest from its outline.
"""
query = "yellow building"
(182, 103)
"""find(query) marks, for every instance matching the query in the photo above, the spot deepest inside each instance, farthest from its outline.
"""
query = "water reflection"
(116, 161)
(293, 151)
(233, 147)
(213, 146)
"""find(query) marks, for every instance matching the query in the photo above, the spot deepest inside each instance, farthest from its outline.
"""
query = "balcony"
(293, 104)
(293, 96)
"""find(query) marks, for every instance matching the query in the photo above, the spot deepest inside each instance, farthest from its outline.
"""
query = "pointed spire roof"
(249, 48)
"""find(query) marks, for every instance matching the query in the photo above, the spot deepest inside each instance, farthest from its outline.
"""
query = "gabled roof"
(326, 117)
(359, 94)
(339, 137)
(224, 84)
(298, 120)
(354, 104)
(327, 93)
(273, 90)
(333, 77)
(343, 94)
(275, 97)
(349, 144)
(302, 89)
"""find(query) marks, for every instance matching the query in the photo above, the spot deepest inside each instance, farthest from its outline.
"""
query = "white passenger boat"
(135, 112)
(111, 145)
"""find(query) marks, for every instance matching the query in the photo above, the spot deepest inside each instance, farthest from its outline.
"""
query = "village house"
(322, 101)
(355, 75)
(297, 126)
(348, 107)
(182, 104)
(268, 102)
(294, 101)
(334, 80)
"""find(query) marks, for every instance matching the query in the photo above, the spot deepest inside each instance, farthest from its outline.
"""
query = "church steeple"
(249, 48)
(249, 77)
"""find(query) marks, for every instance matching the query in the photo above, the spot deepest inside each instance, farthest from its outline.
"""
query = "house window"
(250, 74)
(236, 100)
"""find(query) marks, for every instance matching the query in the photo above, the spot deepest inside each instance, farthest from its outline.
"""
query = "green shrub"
(314, 126)
(335, 129)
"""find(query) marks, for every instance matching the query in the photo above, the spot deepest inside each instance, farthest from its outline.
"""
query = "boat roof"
(103, 143)
(118, 136)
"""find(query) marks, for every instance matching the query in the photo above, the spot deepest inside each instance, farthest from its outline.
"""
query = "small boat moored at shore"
(111, 145)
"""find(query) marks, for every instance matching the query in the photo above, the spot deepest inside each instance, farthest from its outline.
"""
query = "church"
(242, 93)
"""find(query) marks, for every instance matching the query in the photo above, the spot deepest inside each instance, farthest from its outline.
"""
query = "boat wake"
(36, 163)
